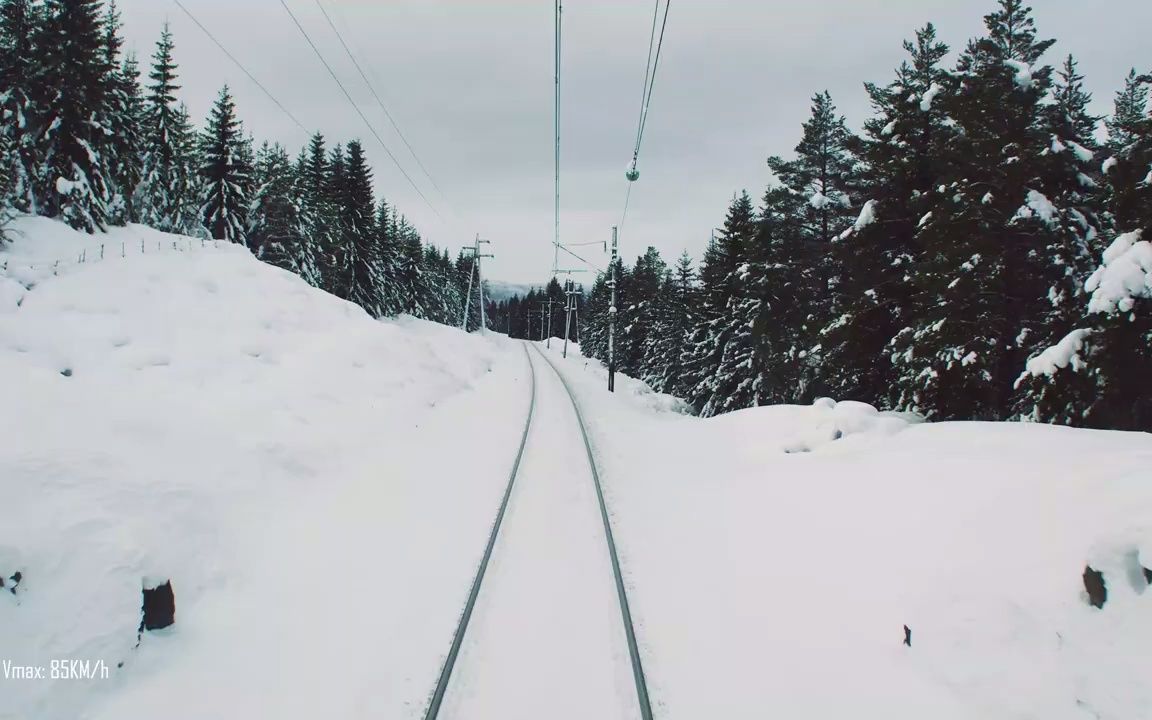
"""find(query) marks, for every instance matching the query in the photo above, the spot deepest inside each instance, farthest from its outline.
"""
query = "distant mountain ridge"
(499, 290)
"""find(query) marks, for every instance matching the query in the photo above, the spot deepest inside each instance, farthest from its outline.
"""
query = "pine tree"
(224, 206)
(675, 315)
(979, 281)
(274, 218)
(357, 209)
(822, 182)
(72, 125)
(167, 195)
(1129, 114)
(723, 286)
(125, 112)
(19, 26)
(316, 212)
(1098, 374)
(902, 150)
(1071, 179)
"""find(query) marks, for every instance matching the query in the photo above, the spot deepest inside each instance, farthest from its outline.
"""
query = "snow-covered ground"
(772, 567)
(318, 487)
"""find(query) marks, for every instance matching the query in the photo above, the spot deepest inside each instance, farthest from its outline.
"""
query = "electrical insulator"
(632, 174)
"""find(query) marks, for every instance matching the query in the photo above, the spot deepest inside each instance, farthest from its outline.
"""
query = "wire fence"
(26, 270)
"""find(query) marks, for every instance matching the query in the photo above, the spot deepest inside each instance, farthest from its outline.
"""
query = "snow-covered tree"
(125, 126)
(902, 150)
(167, 195)
(72, 129)
(274, 218)
(824, 184)
(19, 22)
(984, 236)
(721, 289)
(224, 173)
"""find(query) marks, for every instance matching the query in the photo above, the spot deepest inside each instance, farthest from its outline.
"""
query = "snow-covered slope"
(775, 555)
(318, 487)
(314, 483)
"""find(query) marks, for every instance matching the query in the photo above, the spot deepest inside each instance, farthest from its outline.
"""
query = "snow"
(929, 96)
(1037, 205)
(318, 486)
(819, 200)
(1108, 165)
(889, 128)
(1065, 353)
(1124, 276)
(1082, 153)
(867, 216)
(549, 597)
(1023, 72)
(768, 583)
(927, 216)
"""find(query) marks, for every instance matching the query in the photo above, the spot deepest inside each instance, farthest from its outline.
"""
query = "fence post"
(101, 251)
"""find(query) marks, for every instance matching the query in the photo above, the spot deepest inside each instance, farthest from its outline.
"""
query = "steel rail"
(625, 613)
(462, 627)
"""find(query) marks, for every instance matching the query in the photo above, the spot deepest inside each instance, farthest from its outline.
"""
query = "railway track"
(540, 632)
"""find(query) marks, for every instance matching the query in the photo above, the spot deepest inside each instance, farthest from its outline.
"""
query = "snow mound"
(198, 416)
(783, 582)
(1124, 276)
(1061, 355)
(808, 428)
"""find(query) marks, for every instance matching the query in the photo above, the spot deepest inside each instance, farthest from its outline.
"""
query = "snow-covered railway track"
(543, 639)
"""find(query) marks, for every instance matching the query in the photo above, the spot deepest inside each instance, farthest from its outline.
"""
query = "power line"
(376, 95)
(651, 65)
(238, 64)
(356, 107)
(556, 239)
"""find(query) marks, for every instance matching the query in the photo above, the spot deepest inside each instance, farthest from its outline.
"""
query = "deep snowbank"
(314, 483)
(769, 582)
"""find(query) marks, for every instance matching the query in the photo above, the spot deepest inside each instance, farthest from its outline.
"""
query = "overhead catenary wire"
(352, 102)
(379, 101)
(240, 65)
(650, 68)
(559, 9)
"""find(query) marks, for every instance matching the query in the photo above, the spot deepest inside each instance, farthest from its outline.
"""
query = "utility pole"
(548, 343)
(571, 293)
(544, 305)
(468, 296)
(479, 277)
(612, 318)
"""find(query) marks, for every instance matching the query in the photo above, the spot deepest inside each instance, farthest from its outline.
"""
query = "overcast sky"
(470, 84)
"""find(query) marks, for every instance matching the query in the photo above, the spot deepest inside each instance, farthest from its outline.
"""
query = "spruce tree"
(72, 128)
(274, 218)
(357, 209)
(1129, 114)
(1098, 374)
(723, 286)
(167, 195)
(224, 206)
(984, 234)
(19, 27)
(125, 113)
(823, 183)
(902, 149)
(1071, 179)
